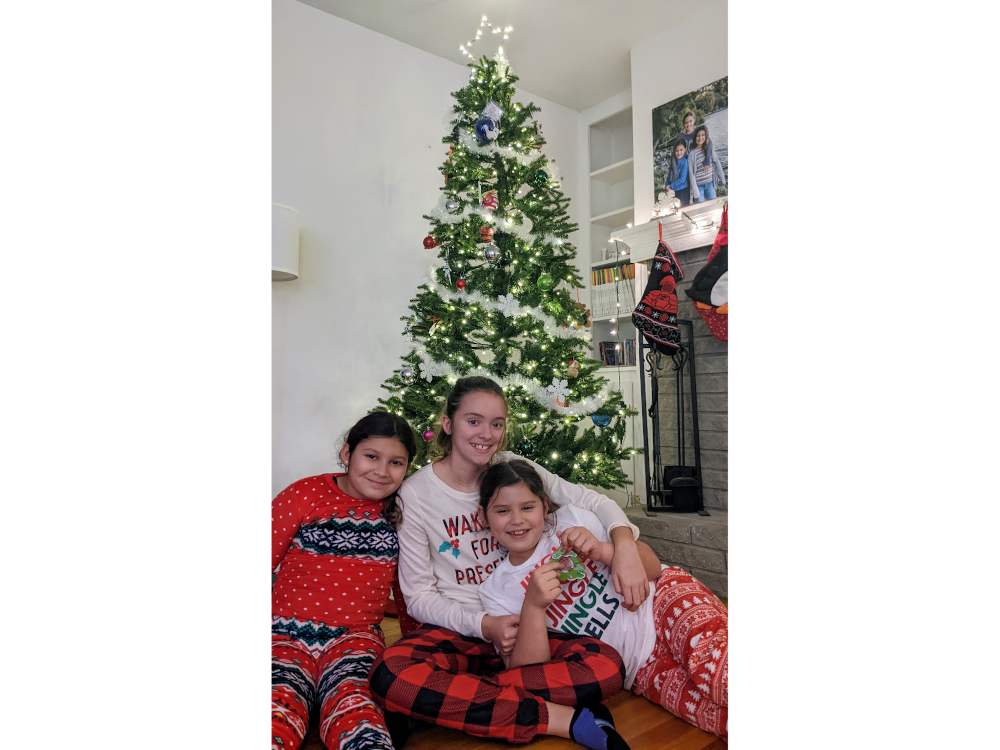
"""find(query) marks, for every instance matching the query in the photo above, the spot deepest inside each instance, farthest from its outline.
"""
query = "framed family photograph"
(691, 144)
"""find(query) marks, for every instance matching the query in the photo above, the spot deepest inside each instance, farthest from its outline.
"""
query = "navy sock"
(594, 728)
(398, 726)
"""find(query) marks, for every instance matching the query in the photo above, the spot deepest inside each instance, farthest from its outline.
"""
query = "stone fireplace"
(699, 544)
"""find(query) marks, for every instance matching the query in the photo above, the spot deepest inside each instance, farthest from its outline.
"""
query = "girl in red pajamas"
(335, 549)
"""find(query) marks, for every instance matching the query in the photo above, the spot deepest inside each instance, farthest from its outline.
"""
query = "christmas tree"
(498, 301)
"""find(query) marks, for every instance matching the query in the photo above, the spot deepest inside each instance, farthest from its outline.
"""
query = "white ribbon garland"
(468, 141)
(546, 395)
(488, 303)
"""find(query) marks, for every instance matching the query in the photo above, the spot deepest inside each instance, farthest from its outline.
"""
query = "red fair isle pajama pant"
(316, 665)
(440, 676)
(688, 671)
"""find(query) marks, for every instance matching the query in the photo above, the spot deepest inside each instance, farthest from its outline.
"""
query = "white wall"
(692, 54)
(357, 125)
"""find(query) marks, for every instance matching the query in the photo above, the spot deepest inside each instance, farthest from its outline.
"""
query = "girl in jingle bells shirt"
(675, 646)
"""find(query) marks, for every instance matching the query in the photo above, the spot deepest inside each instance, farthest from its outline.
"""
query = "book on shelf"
(623, 356)
(612, 274)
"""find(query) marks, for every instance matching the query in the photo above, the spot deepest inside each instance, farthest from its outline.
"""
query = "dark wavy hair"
(383, 424)
(465, 386)
(694, 140)
(509, 473)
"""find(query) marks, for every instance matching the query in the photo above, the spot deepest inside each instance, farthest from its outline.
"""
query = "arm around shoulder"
(562, 492)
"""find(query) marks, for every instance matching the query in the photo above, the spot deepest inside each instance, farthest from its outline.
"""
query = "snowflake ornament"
(508, 305)
(431, 369)
(556, 394)
(666, 204)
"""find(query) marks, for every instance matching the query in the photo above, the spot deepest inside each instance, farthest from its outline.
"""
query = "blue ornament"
(486, 129)
(601, 420)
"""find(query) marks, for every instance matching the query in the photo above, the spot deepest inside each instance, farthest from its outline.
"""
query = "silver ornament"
(407, 375)
(491, 252)
(451, 205)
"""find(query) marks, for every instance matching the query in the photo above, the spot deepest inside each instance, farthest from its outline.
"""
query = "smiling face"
(679, 150)
(476, 429)
(516, 517)
(700, 138)
(375, 469)
(688, 124)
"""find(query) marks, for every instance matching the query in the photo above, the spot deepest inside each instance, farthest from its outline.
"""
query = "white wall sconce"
(284, 243)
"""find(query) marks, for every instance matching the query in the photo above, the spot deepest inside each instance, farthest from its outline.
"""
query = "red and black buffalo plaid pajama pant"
(440, 676)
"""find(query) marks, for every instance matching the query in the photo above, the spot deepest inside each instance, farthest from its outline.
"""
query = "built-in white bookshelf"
(611, 202)
(612, 180)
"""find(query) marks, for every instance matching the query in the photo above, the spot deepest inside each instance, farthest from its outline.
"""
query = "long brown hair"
(465, 386)
(694, 140)
(383, 424)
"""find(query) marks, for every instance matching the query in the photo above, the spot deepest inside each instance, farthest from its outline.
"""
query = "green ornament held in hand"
(571, 564)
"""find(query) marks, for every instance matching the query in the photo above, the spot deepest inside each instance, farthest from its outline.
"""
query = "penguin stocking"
(710, 287)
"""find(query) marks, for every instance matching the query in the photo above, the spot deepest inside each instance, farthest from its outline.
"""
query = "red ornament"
(490, 200)
(486, 234)
(460, 284)
(430, 242)
(428, 435)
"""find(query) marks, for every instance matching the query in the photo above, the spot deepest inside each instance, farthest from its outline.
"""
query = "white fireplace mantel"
(642, 239)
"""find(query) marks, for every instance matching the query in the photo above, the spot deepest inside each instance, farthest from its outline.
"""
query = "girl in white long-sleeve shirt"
(449, 671)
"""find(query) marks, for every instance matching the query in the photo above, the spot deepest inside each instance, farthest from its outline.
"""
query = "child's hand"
(543, 588)
(501, 632)
(581, 540)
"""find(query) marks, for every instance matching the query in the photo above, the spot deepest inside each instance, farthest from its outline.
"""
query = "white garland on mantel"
(547, 395)
(488, 303)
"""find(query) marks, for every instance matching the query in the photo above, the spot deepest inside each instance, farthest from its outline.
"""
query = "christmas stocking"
(710, 288)
(656, 314)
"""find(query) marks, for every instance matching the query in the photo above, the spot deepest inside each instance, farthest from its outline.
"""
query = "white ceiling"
(572, 52)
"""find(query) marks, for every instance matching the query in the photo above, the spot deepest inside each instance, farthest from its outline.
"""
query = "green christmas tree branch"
(508, 313)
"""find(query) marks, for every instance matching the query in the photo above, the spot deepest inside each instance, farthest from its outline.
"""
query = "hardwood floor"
(643, 725)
